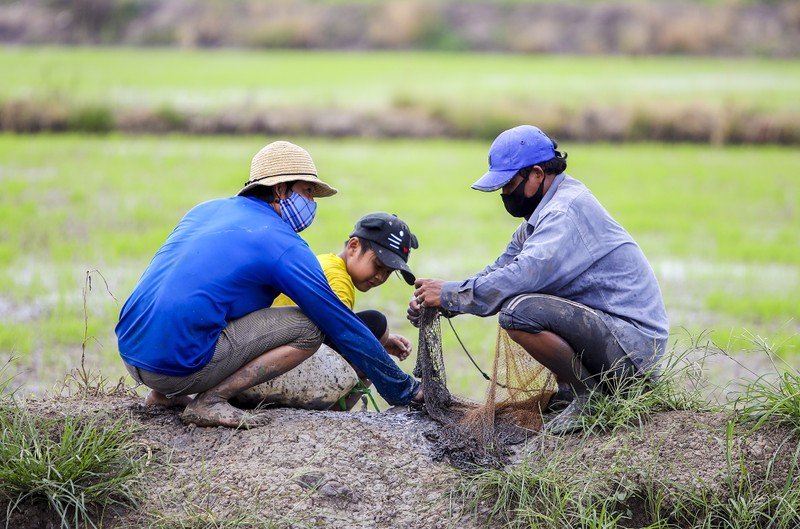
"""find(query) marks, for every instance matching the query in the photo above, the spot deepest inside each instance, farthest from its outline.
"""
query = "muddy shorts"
(241, 341)
(580, 326)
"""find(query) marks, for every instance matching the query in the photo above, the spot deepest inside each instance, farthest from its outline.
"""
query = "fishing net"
(478, 434)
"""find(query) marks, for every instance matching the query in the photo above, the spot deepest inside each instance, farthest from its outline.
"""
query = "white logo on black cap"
(395, 241)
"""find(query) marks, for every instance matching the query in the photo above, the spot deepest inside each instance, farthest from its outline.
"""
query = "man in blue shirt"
(200, 319)
(572, 287)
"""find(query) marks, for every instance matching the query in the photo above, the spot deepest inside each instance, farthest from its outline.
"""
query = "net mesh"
(474, 434)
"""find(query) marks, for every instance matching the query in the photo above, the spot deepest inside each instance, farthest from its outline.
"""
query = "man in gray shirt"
(572, 287)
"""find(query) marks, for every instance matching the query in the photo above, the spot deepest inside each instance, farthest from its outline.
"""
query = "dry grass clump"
(419, 119)
(26, 116)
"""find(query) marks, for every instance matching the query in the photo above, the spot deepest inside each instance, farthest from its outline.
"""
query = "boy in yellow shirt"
(379, 244)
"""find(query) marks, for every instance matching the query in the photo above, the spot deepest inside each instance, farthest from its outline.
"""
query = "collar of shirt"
(545, 199)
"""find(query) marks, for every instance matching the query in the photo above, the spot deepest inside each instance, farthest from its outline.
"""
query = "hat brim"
(390, 259)
(321, 189)
(494, 180)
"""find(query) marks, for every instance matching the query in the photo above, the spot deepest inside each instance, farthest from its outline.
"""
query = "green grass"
(559, 484)
(717, 223)
(82, 469)
(223, 78)
(79, 466)
(565, 488)
(772, 398)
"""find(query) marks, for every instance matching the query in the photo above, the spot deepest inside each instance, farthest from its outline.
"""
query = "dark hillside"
(746, 28)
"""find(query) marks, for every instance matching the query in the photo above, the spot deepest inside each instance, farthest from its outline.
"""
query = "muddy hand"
(428, 292)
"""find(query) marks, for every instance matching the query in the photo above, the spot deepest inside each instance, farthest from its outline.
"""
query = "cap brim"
(494, 180)
(393, 261)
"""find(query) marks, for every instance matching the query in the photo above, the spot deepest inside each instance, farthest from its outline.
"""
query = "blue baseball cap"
(512, 150)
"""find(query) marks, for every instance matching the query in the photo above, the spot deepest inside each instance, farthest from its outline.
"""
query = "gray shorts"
(580, 326)
(241, 341)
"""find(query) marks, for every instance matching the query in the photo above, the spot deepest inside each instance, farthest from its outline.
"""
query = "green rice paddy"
(718, 224)
(202, 79)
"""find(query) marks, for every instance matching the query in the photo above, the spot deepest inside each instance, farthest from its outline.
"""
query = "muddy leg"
(211, 408)
(555, 354)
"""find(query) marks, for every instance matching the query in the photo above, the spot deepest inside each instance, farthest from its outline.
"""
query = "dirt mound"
(366, 469)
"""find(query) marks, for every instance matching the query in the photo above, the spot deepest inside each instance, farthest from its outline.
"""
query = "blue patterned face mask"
(298, 211)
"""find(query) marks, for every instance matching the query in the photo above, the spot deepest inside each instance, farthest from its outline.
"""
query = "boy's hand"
(412, 313)
(398, 346)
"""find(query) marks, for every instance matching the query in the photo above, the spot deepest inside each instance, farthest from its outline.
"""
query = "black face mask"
(518, 205)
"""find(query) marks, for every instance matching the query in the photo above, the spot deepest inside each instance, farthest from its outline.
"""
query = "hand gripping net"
(474, 434)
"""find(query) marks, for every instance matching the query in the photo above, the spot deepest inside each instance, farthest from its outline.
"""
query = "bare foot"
(156, 398)
(209, 412)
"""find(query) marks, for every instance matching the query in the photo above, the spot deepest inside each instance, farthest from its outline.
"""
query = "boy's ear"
(352, 245)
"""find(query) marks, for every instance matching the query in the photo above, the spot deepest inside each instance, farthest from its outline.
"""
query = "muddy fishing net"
(474, 434)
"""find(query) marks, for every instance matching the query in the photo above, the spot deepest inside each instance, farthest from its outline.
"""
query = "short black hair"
(260, 192)
(265, 193)
(366, 244)
(553, 166)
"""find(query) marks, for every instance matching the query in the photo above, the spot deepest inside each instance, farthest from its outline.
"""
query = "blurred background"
(117, 116)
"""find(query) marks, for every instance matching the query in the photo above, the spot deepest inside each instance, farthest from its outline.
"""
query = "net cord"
(482, 372)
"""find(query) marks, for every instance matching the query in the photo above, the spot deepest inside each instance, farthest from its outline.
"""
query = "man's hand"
(427, 294)
(398, 346)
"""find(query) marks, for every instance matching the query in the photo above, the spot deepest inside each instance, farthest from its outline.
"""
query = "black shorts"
(578, 325)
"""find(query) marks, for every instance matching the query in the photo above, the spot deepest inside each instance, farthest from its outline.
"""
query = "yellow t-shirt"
(340, 281)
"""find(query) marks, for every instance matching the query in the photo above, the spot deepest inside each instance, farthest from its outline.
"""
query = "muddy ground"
(369, 469)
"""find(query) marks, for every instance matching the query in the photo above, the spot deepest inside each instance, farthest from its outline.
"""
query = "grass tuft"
(91, 119)
(676, 385)
(773, 398)
(746, 501)
(562, 487)
(78, 466)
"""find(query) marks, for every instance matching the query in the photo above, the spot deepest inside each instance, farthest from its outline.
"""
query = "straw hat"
(282, 161)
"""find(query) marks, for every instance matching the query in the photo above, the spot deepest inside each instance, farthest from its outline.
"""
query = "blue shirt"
(228, 258)
(572, 248)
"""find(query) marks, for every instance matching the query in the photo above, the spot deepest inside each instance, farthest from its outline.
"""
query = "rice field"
(720, 226)
(81, 216)
(211, 79)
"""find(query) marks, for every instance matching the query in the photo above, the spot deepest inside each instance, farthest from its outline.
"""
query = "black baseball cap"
(391, 240)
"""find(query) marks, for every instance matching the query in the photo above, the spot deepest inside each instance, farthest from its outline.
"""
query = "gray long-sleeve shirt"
(572, 248)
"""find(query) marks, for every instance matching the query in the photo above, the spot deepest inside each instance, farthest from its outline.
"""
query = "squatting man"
(572, 287)
(200, 321)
